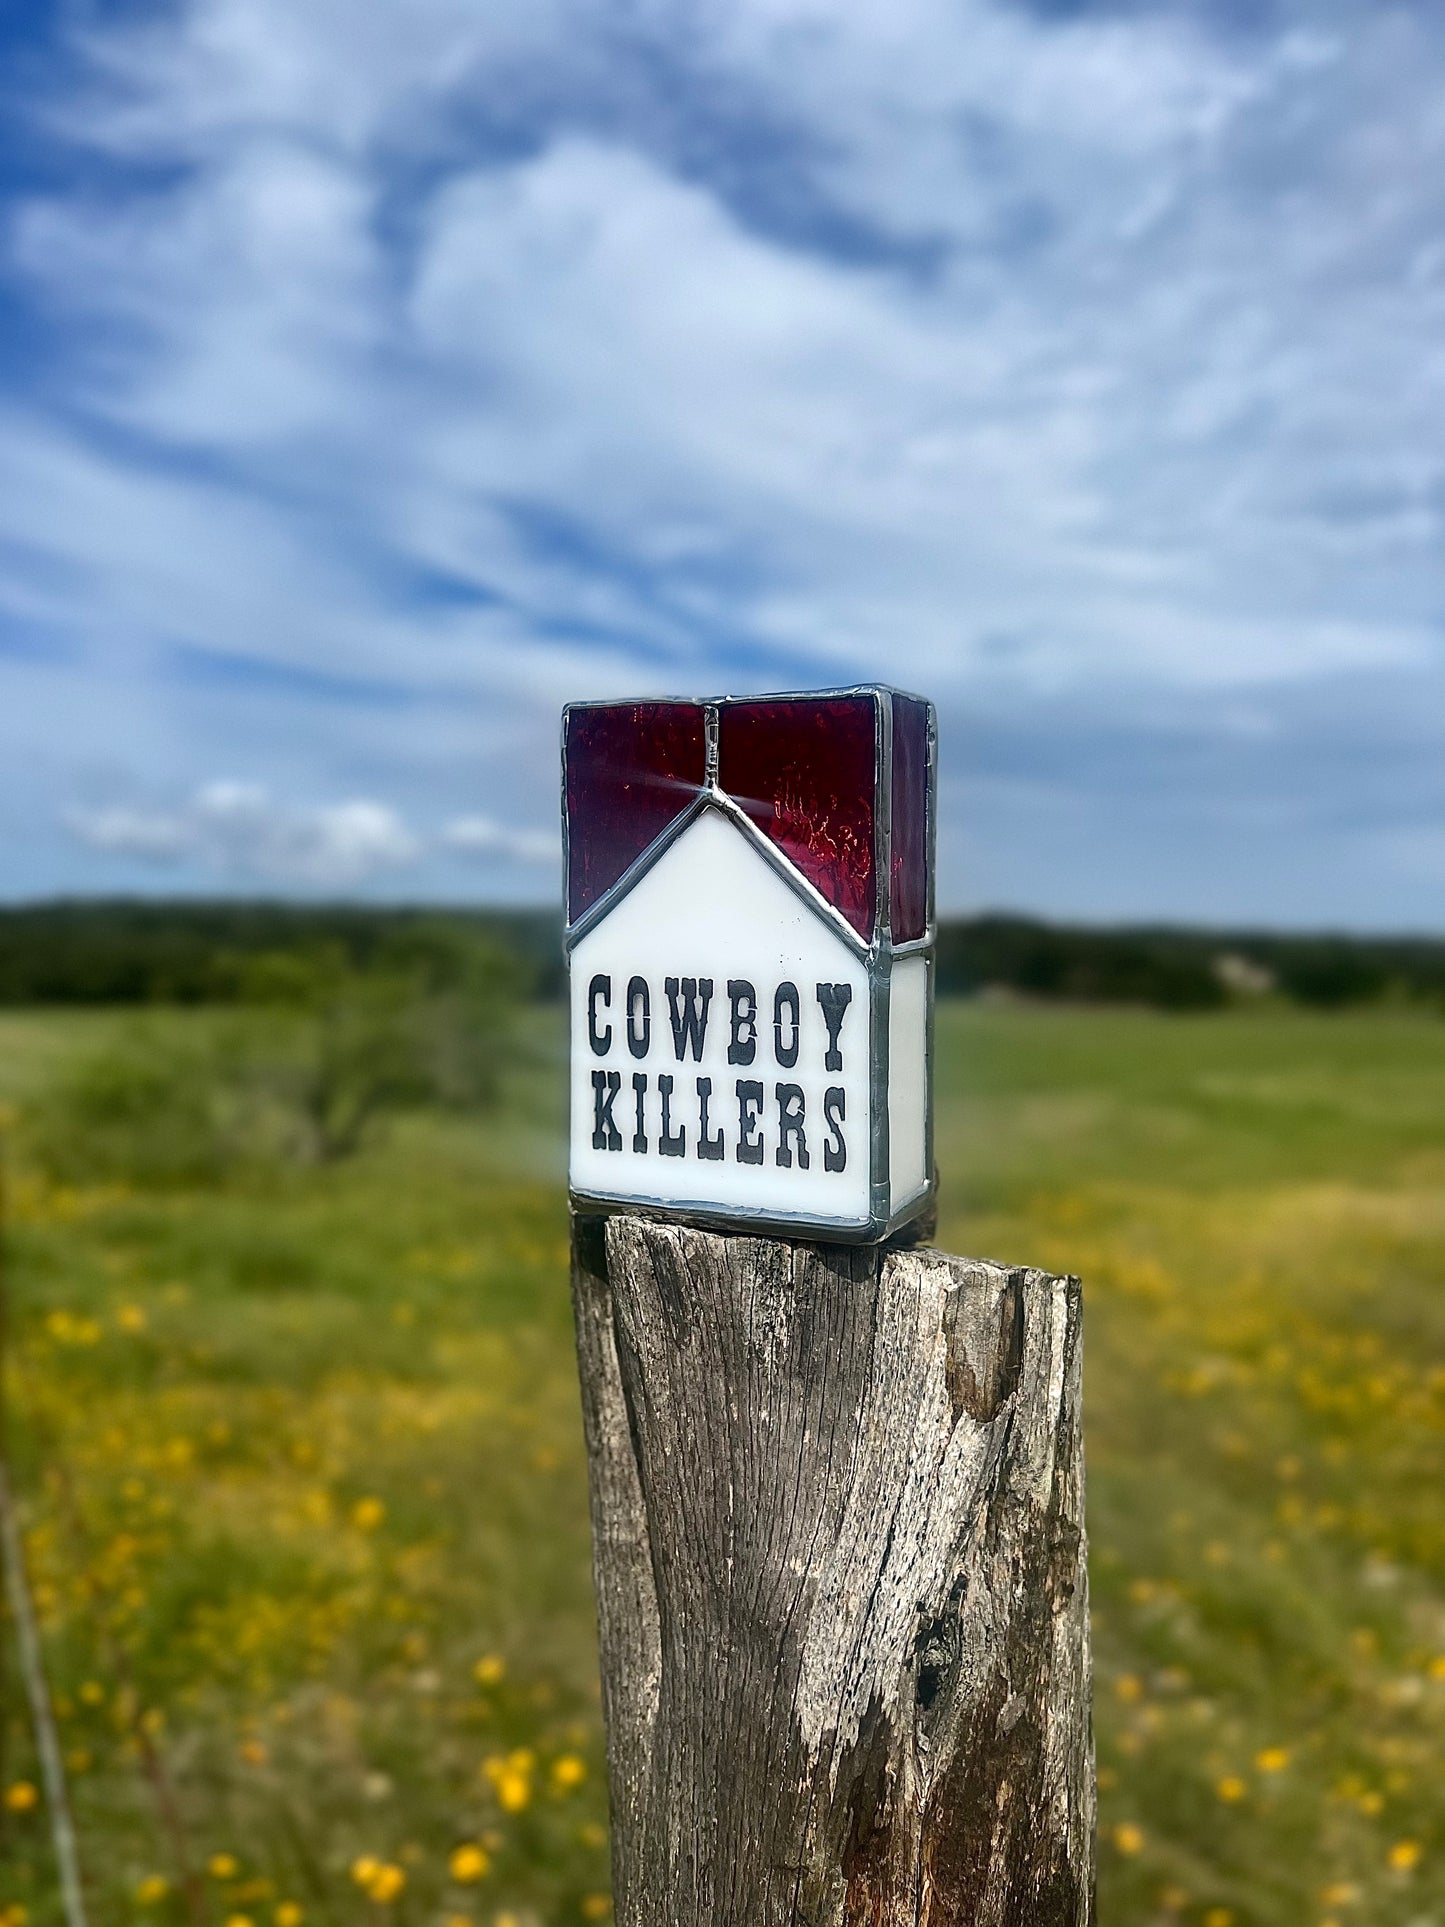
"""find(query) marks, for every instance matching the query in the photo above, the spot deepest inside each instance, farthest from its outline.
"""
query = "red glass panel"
(631, 768)
(805, 772)
(908, 875)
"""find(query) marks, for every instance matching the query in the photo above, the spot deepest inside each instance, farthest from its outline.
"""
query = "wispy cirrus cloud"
(391, 378)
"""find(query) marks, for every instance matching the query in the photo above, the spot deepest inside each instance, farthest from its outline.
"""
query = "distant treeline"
(92, 951)
(100, 951)
(1184, 969)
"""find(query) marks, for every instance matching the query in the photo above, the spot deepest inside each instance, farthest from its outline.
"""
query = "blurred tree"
(309, 1054)
(431, 1020)
(154, 1105)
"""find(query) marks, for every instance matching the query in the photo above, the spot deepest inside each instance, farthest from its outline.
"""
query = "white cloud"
(336, 844)
(480, 836)
(255, 291)
(214, 72)
(155, 836)
(237, 830)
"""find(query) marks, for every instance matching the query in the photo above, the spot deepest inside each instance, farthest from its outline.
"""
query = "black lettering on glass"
(639, 1089)
(750, 1102)
(790, 1125)
(639, 1017)
(605, 1134)
(835, 1109)
(707, 1147)
(835, 999)
(689, 1013)
(786, 999)
(743, 1044)
(672, 1144)
(598, 991)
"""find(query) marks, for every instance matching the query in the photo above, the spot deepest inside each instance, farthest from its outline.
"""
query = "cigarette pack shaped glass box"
(750, 939)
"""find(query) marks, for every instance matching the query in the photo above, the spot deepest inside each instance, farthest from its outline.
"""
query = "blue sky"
(375, 379)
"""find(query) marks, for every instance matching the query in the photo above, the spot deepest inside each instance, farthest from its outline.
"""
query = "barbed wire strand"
(27, 1634)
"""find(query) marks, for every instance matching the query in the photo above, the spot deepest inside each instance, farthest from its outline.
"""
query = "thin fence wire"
(27, 1633)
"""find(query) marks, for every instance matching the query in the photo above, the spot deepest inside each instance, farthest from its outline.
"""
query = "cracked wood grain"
(838, 1530)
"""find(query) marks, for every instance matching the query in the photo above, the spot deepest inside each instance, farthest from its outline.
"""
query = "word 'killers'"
(744, 1111)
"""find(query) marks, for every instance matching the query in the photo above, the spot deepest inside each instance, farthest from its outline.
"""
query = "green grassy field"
(305, 1500)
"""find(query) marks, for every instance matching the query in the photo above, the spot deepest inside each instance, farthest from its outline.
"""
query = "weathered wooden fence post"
(836, 1478)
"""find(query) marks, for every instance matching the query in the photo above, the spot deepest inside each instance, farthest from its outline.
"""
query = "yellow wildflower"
(1274, 1759)
(1128, 1838)
(1129, 1687)
(223, 1866)
(568, 1771)
(154, 1887)
(131, 1318)
(386, 1883)
(78, 1760)
(1341, 1893)
(596, 1906)
(381, 1879)
(511, 1778)
(21, 1796)
(469, 1862)
(92, 1693)
(489, 1669)
(1372, 1804)
(1230, 1789)
(1437, 1666)
(367, 1514)
(1404, 1856)
(290, 1913)
(1219, 1917)
(253, 1752)
(591, 1835)
(14, 1915)
(239, 1920)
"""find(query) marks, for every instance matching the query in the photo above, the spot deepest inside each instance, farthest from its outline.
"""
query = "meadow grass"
(305, 1497)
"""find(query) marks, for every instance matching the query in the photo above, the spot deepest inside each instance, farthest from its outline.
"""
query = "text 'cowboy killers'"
(757, 1112)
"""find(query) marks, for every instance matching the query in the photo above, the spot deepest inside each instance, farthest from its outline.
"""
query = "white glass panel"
(713, 910)
(907, 1079)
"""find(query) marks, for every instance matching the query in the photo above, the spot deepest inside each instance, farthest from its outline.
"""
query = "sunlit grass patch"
(287, 1450)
